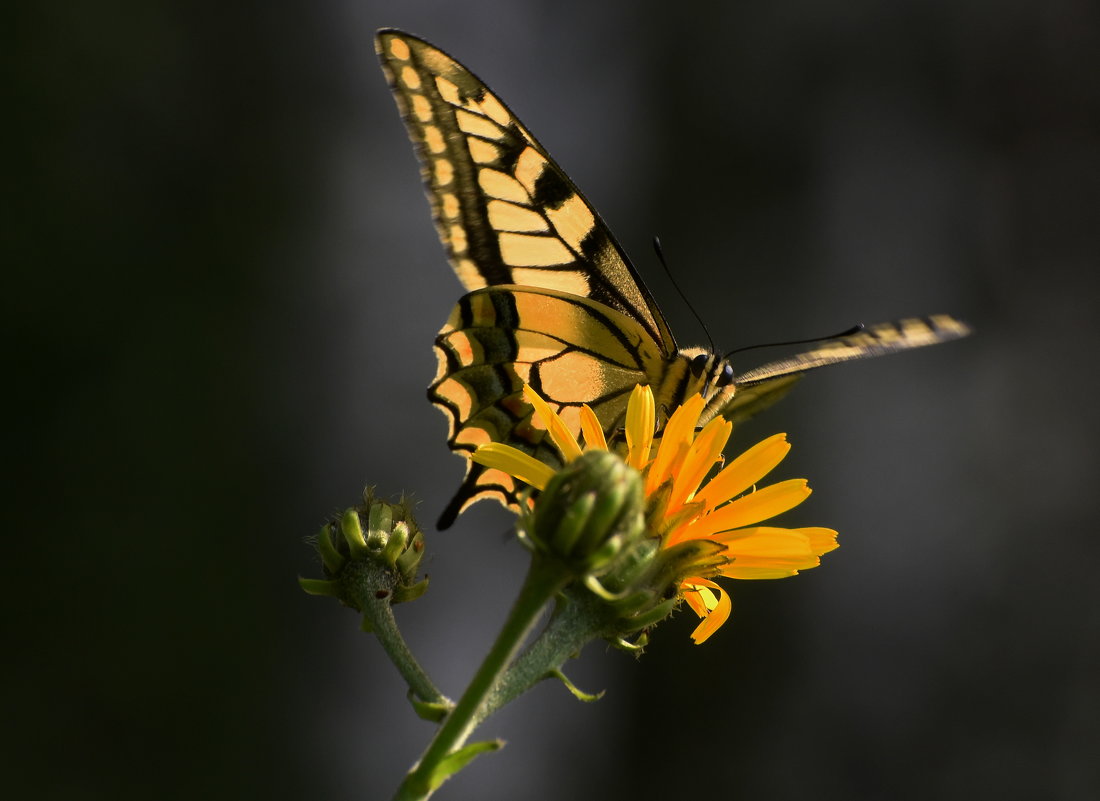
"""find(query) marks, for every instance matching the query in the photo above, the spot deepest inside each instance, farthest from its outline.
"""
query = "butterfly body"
(552, 299)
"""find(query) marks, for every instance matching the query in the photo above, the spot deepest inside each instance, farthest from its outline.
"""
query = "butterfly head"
(705, 373)
(712, 370)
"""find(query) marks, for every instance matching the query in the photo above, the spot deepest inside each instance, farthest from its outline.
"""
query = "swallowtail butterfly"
(553, 300)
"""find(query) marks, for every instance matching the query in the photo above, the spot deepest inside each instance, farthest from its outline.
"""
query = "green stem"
(544, 579)
(364, 585)
(573, 624)
(385, 628)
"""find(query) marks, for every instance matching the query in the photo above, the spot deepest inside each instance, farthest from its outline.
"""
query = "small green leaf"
(433, 711)
(319, 587)
(652, 617)
(571, 525)
(353, 533)
(403, 594)
(635, 647)
(379, 525)
(579, 694)
(409, 559)
(331, 558)
(453, 763)
(396, 544)
(596, 587)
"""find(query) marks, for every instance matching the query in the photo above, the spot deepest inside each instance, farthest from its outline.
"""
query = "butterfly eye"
(699, 364)
(725, 377)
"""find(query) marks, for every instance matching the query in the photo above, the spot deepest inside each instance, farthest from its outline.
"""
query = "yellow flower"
(683, 505)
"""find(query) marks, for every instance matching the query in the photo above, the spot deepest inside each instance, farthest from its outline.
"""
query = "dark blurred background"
(222, 289)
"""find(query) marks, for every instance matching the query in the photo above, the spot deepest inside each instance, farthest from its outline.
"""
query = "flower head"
(706, 529)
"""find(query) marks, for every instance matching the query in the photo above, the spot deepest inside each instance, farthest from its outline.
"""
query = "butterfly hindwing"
(570, 349)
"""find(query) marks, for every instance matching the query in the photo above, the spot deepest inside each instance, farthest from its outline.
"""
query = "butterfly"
(552, 300)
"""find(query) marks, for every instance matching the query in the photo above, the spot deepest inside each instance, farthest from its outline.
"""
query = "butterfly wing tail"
(452, 510)
(478, 485)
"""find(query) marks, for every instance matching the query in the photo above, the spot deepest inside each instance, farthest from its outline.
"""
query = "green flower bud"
(377, 554)
(589, 512)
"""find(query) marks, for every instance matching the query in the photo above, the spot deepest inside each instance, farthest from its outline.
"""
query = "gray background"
(222, 289)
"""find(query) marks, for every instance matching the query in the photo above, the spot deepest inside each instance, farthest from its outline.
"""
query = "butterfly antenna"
(855, 329)
(680, 292)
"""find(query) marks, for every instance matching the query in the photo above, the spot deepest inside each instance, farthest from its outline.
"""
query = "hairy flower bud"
(589, 512)
(378, 543)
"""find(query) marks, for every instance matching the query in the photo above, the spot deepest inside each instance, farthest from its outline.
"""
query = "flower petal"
(714, 603)
(593, 432)
(514, 462)
(769, 552)
(700, 458)
(757, 573)
(822, 540)
(559, 433)
(641, 416)
(700, 599)
(752, 508)
(817, 541)
(745, 470)
(675, 440)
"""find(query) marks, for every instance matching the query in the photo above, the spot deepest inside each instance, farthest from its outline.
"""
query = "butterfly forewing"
(506, 213)
(757, 389)
(875, 340)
